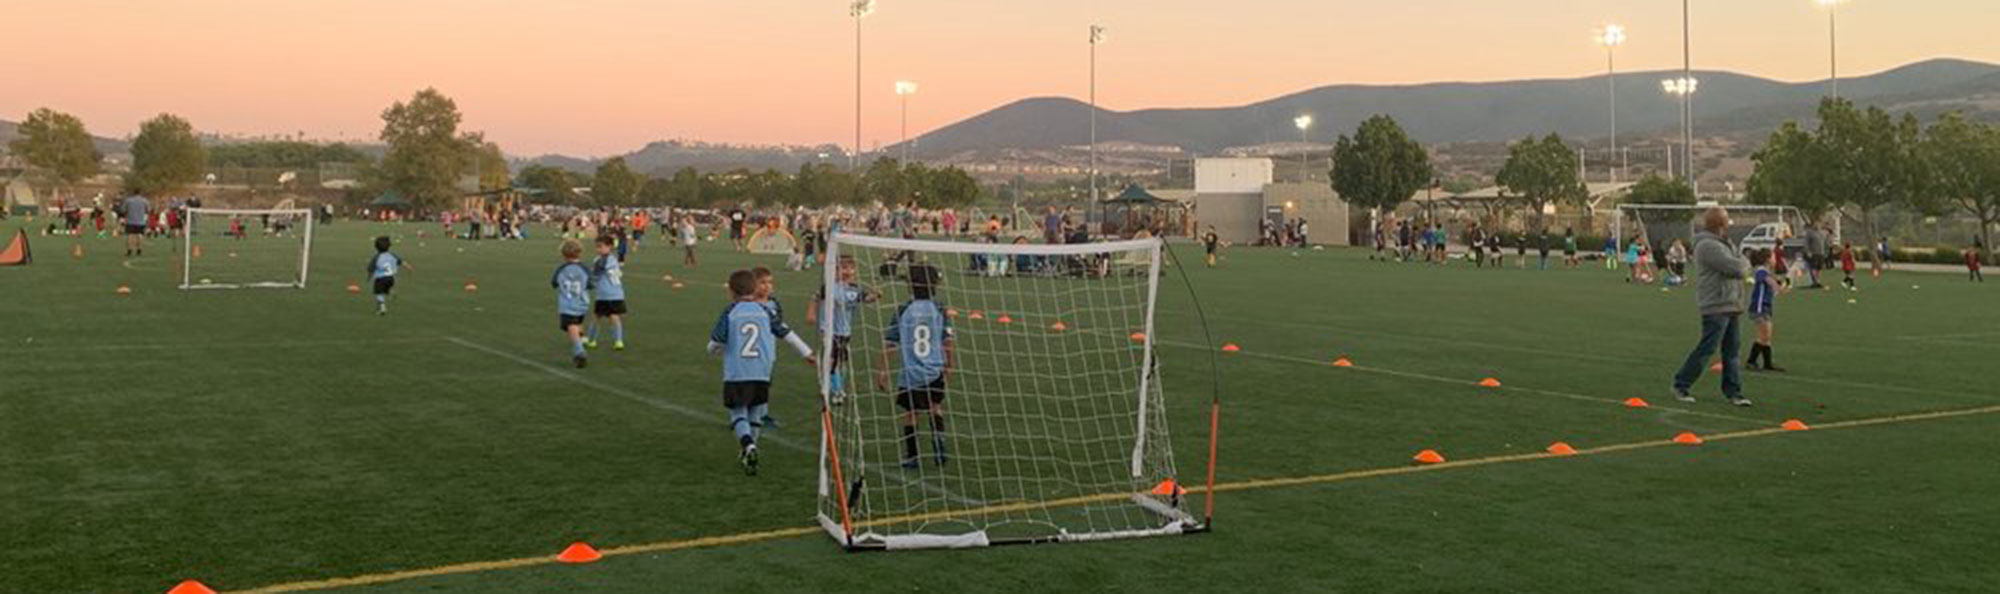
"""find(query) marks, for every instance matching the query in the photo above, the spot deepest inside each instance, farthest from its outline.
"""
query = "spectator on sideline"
(1719, 271)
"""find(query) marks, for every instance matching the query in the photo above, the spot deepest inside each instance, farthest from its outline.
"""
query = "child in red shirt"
(1847, 265)
(1972, 265)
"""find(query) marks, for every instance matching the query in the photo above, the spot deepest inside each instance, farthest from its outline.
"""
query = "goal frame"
(187, 247)
(852, 536)
(1618, 222)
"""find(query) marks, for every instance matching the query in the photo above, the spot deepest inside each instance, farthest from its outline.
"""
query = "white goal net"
(1658, 226)
(246, 248)
(1046, 420)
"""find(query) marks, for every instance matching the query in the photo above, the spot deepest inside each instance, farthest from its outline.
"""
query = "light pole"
(904, 89)
(1687, 98)
(1832, 46)
(858, 9)
(1096, 37)
(1684, 88)
(1304, 123)
(1611, 37)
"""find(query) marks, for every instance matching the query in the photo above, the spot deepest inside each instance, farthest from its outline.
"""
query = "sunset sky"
(598, 77)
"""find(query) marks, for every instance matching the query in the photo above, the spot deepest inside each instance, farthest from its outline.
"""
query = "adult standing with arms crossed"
(1719, 273)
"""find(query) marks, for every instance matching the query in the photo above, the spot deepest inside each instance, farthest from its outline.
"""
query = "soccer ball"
(206, 281)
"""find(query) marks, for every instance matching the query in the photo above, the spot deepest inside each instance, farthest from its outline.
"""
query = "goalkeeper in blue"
(382, 271)
(607, 279)
(747, 335)
(847, 296)
(921, 336)
(572, 285)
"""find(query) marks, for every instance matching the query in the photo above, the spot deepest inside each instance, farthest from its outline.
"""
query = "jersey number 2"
(750, 333)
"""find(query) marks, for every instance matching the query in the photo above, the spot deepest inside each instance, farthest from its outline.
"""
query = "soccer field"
(289, 440)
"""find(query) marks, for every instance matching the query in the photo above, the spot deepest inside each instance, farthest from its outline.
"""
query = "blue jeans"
(1716, 328)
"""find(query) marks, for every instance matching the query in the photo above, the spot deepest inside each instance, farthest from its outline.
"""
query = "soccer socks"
(838, 382)
(759, 415)
(909, 445)
(618, 332)
(590, 333)
(381, 304)
(576, 347)
(1756, 350)
(739, 421)
(937, 437)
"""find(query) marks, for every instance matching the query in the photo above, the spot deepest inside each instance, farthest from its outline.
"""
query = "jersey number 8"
(922, 335)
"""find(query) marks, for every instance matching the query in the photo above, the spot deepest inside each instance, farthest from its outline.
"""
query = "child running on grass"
(382, 270)
(1763, 295)
(1972, 257)
(572, 285)
(747, 335)
(1847, 266)
(607, 278)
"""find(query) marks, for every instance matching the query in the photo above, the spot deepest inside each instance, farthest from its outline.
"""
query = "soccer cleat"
(590, 343)
(911, 462)
(838, 398)
(749, 459)
(581, 361)
(1683, 395)
(618, 346)
(1774, 369)
(1740, 401)
(942, 457)
(769, 421)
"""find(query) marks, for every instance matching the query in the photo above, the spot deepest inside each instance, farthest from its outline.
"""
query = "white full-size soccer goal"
(1050, 423)
(1751, 226)
(224, 248)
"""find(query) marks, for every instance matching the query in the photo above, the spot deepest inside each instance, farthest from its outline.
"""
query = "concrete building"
(1235, 194)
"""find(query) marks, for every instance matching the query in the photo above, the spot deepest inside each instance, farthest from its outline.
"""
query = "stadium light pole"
(1611, 37)
(1304, 123)
(1683, 88)
(904, 89)
(859, 9)
(1687, 98)
(1096, 37)
(1832, 46)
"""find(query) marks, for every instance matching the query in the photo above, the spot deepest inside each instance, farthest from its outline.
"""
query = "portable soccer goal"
(1660, 225)
(246, 248)
(1051, 424)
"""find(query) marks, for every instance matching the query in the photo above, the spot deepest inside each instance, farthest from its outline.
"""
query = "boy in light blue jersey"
(607, 279)
(746, 335)
(572, 285)
(921, 335)
(382, 271)
(847, 297)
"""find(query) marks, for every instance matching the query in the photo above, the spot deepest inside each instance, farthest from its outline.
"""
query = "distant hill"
(1473, 112)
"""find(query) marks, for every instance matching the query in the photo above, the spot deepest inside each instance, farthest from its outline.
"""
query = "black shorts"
(610, 308)
(921, 398)
(840, 351)
(384, 284)
(565, 321)
(745, 394)
(135, 229)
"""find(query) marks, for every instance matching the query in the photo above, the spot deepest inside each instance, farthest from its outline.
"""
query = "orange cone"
(1795, 425)
(679, 285)
(1342, 362)
(1168, 488)
(1687, 438)
(1636, 402)
(951, 312)
(191, 587)
(977, 315)
(195, 252)
(353, 287)
(471, 286)
(1230, 347)
(1004, 319)
(579, 553)
(124, 290)
(1058, 326)
(1717, 367)
(76, 250)
(1138, 337)
(1429, 457)
(1561, 449)
(1489, 383)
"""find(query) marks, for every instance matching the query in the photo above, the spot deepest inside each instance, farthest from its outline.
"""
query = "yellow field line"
(1273, 483)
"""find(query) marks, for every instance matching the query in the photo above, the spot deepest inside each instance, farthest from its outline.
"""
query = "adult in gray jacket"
(1719, 271)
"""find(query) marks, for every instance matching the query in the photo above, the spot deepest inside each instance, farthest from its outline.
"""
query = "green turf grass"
(257, 437)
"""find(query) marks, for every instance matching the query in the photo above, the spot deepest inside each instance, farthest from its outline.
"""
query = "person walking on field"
(1719, 271)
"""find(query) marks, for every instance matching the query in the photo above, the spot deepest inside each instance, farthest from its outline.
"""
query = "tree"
(1542, 172)
(281, 154)
(1964, 162)
(166, 156)
(823, 184)
(615, 184)
(57, 144)
(488, 161)
(949, 187)
(1659, 190)
(557, 186)
(1792, 171)
(426, 156)
(884, 181)
(1871, 161)
(685, 190)
(1380, 167)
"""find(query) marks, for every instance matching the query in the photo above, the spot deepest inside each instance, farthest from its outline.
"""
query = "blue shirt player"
(747, 335)
(920, 335)
(607, 278)
(572, 285)
(1764, 290)
(382, 271)
(846, 296)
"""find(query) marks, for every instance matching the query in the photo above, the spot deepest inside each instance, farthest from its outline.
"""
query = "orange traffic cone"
(1429, 457)
(1489, 383)
(1230, 347)
(1342, 362)
(1717, 367)
(1636, 402)
(1058, 326)
(1687, 438)
(1561, 449)
(191, 587)
(977, 315)
(1795, 425)
(1004, 319)
(124, 290)
(1138, 337)
(1168, 488)
(579, 553)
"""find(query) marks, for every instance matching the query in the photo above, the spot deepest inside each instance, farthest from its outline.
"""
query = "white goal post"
(230, 248)
(1679, 221)
(1050, 420)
